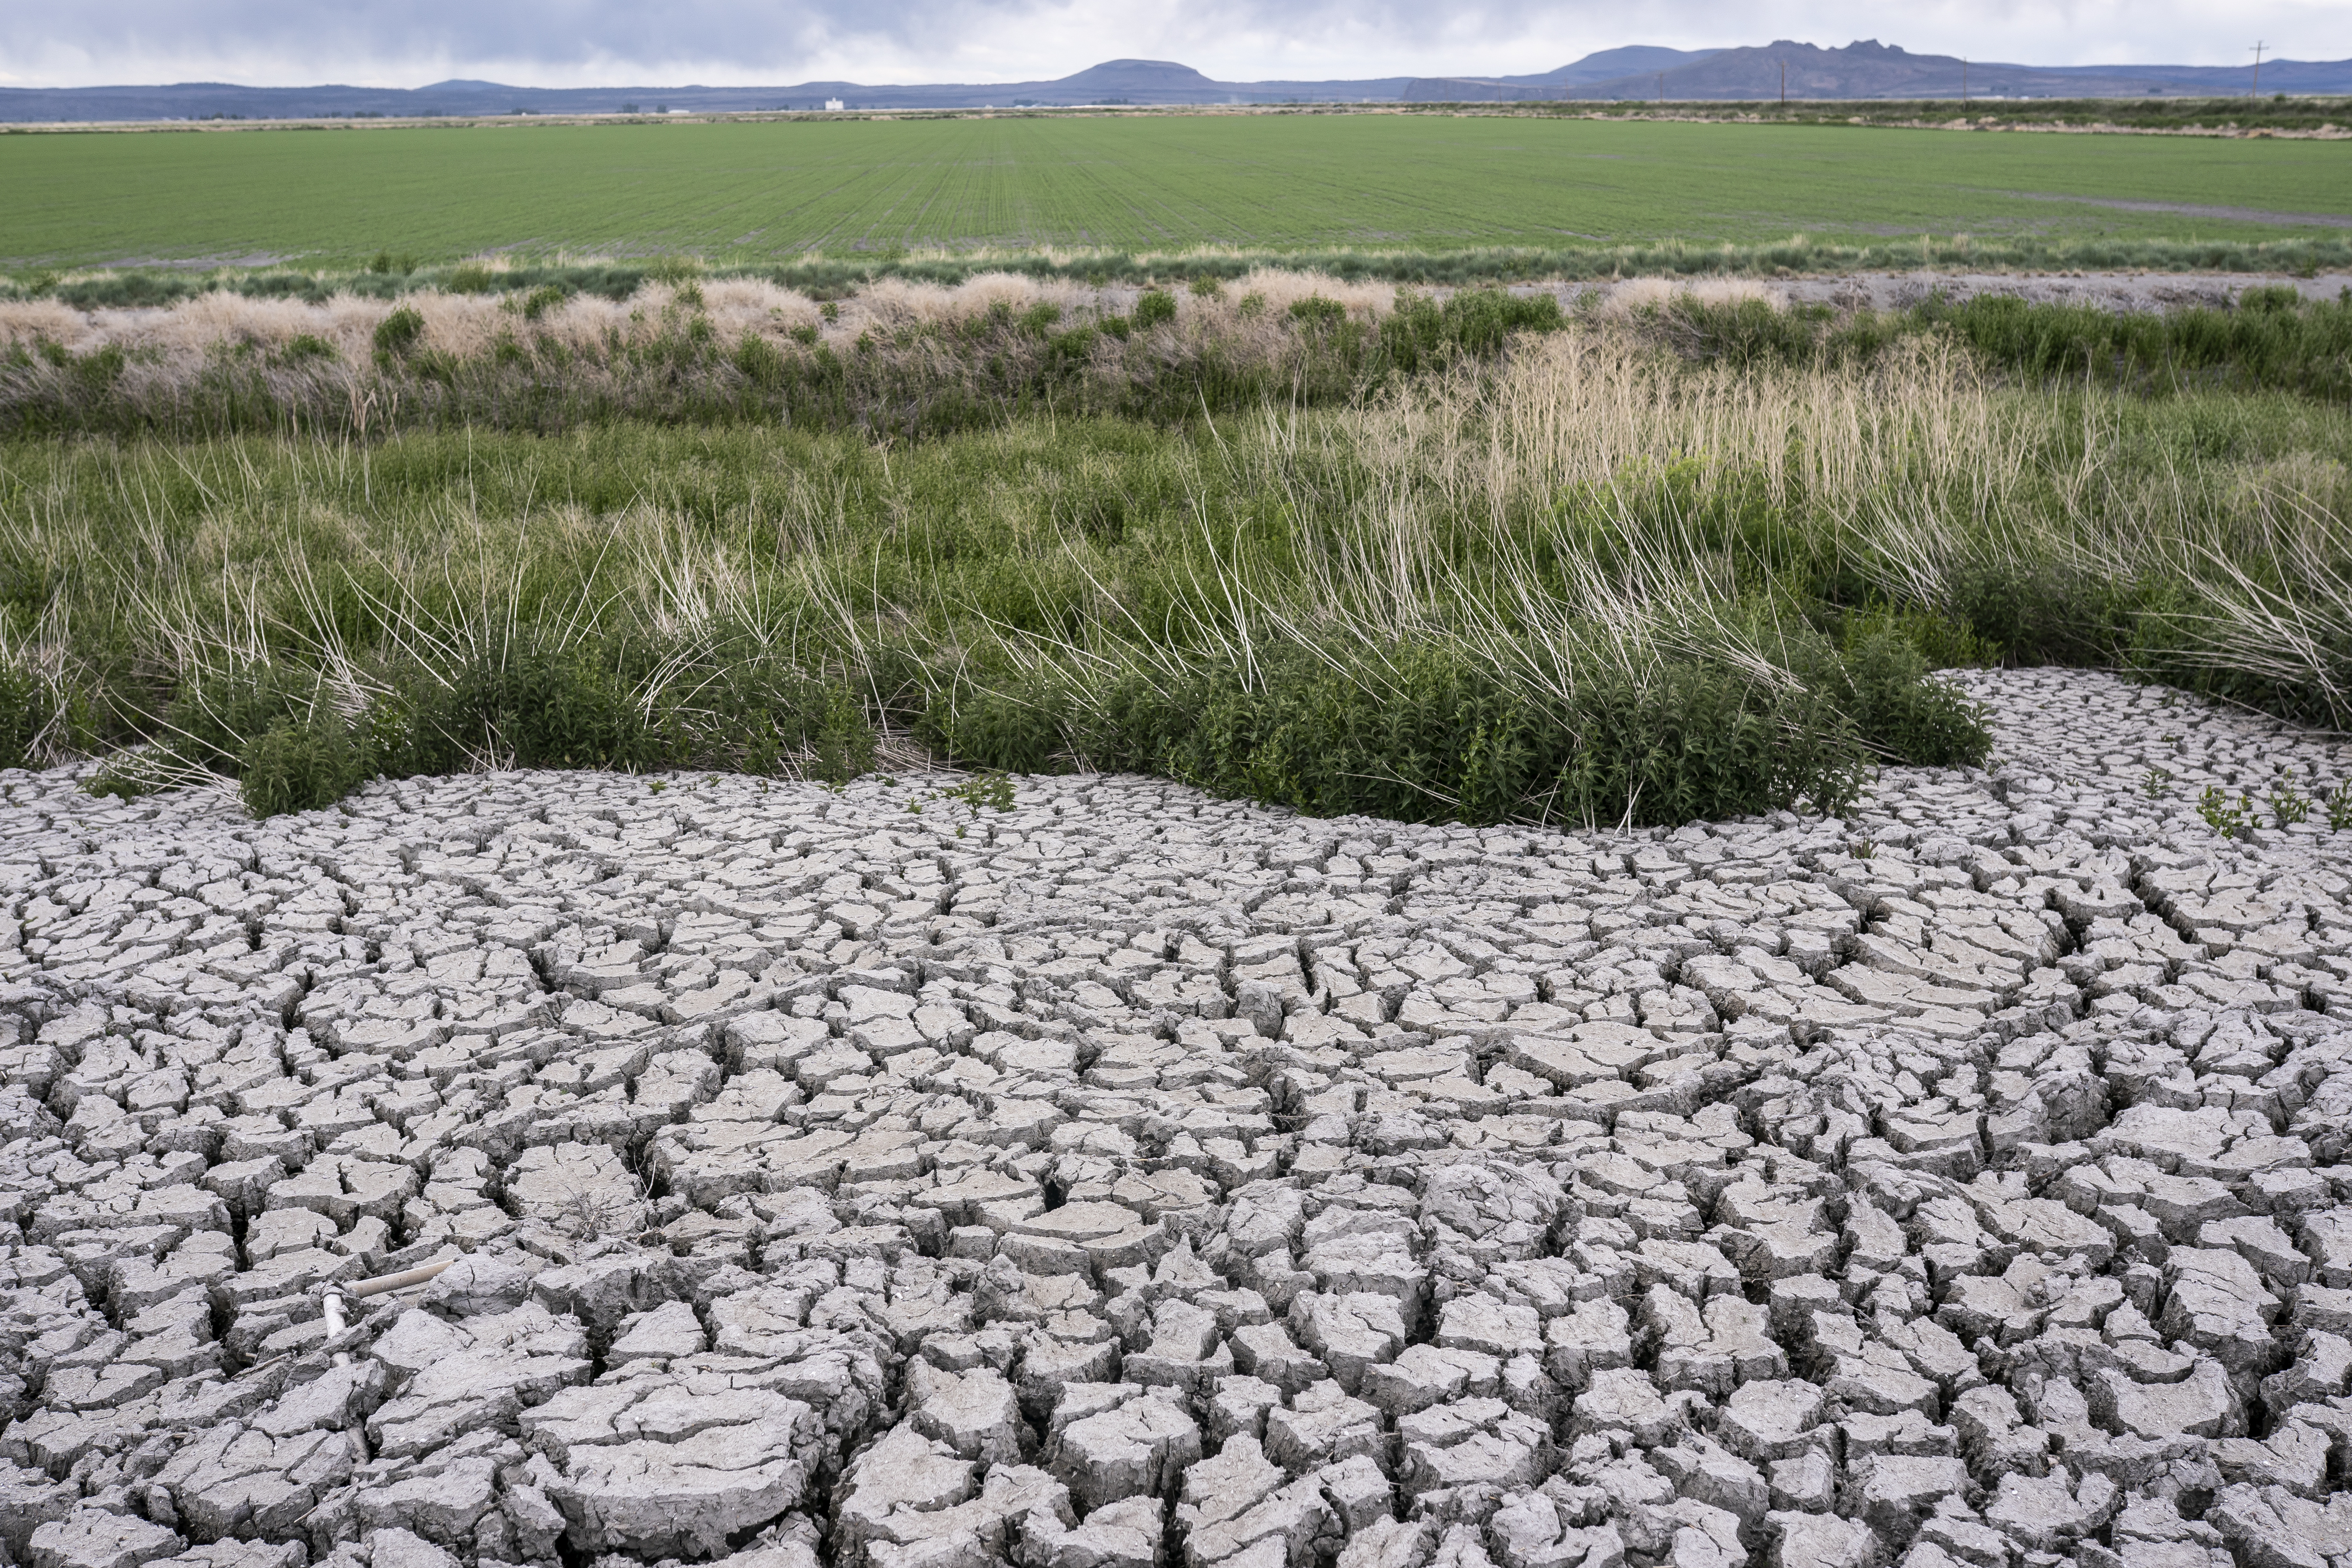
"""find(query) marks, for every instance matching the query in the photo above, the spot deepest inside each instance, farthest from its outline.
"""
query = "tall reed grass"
(1579, 574)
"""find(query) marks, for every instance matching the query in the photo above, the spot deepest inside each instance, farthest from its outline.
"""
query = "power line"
(2257, 90)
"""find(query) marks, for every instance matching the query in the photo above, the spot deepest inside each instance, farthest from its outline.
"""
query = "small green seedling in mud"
(2157, 778)
(992, 791)
(2339, 806)
(2288, 804)
(656, 786)
(2220, 814)
(988, 790)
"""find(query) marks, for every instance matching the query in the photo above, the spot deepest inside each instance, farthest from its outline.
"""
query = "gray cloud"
(569, 42)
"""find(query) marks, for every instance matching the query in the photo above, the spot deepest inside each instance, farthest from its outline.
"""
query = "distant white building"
(833, 103)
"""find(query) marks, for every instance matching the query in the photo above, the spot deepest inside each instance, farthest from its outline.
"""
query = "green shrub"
(1432, 735)
(761, 363)
(1154, 307)
(1420, 331)
(397, 334)
(543, 298)
(547, 707)
(300, 766)
(1907, 716)
(304, 346)
(472, 278)
(843, 741)
(1944, 640)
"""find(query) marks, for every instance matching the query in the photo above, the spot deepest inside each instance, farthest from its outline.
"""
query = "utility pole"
(1661, 86)
(2257, 91)
(1784, 84)
(1964, 78)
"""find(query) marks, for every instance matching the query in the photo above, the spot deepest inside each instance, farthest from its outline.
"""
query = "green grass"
(1589, 579)
(757, 192)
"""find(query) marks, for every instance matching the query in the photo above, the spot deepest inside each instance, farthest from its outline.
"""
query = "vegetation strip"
(1476, 560)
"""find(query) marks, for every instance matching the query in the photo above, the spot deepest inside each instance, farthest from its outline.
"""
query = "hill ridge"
(1864, 69)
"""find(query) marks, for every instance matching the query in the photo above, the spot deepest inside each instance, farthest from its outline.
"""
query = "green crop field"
(758, 191)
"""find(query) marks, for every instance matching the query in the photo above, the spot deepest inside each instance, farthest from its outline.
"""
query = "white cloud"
(556, 43)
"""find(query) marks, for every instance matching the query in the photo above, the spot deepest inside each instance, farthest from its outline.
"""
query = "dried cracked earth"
(1132, 1179)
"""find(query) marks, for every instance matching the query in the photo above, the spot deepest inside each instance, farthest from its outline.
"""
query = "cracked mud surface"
(1131, 1178)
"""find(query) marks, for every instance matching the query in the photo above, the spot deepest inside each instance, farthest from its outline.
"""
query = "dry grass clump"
(1637, 294)
(1281, 290)
(26, 323)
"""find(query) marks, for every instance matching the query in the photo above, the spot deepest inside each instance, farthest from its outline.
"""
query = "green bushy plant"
(1904, 714)
(301, 766)
(1431, 734)
(398, 335)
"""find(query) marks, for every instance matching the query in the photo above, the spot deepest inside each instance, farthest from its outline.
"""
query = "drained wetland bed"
(1097, 1172)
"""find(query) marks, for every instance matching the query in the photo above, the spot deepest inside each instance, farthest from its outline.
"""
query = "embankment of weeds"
(391, 278)
(897, 361)
(901, 360)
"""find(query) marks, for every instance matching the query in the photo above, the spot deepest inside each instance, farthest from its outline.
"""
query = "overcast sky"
(564, 43)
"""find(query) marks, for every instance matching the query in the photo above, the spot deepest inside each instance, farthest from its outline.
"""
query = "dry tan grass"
(466, 325)
(1642, 293)
(24, 322)
(1282, 290)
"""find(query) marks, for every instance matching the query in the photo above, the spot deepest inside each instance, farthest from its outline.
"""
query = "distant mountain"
(1868, 68)
(1609, 64)
(1113, 81)
(1865, 69)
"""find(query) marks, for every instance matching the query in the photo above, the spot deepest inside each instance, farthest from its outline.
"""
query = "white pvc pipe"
(382, 1283)
(376, 1287)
